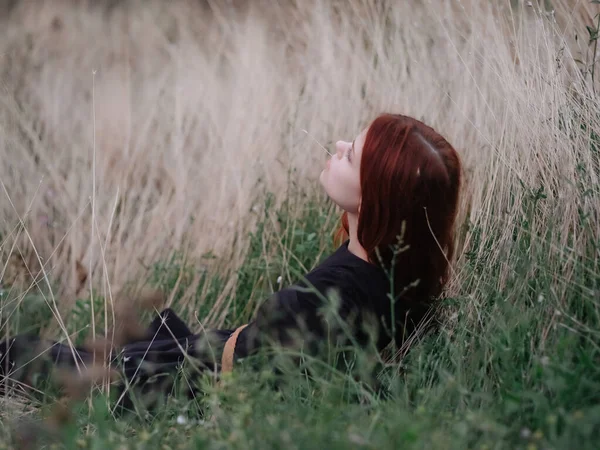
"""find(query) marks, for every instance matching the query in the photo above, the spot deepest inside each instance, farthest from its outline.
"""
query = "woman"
(398, 185)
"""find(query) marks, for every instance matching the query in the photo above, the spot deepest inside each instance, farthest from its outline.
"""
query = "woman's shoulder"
(345, 268)
(342, 278)
(342, 260)
(342, 274)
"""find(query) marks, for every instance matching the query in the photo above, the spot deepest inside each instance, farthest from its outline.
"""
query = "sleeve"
(292, 317)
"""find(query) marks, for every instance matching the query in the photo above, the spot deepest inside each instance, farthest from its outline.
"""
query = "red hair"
(410, 179)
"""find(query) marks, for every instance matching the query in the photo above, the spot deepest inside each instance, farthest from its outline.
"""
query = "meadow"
(147, 143)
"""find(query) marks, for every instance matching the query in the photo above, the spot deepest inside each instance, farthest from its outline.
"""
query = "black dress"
(344, 297)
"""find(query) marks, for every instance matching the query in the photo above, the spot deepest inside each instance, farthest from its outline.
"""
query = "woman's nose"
(339, 147)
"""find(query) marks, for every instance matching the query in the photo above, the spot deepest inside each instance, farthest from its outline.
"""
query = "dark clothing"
(343, 286)
(344, 298)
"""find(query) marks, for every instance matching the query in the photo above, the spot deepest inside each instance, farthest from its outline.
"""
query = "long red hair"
(410, 179)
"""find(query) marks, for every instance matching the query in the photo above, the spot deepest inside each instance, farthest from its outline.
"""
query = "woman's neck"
(354, 246)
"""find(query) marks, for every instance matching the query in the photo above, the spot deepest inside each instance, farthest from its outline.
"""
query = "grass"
(511, 368)
(180, 163)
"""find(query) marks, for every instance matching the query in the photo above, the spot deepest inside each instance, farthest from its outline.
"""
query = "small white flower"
(540, 298)
(525, 433)
(181, 420)
(545, 360)
(126, 358)
(279, 279)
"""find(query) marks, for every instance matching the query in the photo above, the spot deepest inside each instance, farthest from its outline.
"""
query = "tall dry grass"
(130, 130)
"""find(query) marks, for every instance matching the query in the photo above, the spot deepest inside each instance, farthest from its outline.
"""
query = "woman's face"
(341, 176)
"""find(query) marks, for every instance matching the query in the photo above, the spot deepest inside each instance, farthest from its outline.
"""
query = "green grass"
(517, 364)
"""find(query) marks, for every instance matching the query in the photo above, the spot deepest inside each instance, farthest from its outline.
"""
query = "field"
(155, 144)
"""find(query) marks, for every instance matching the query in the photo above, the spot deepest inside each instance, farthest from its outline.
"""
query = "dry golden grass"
(132, 131)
